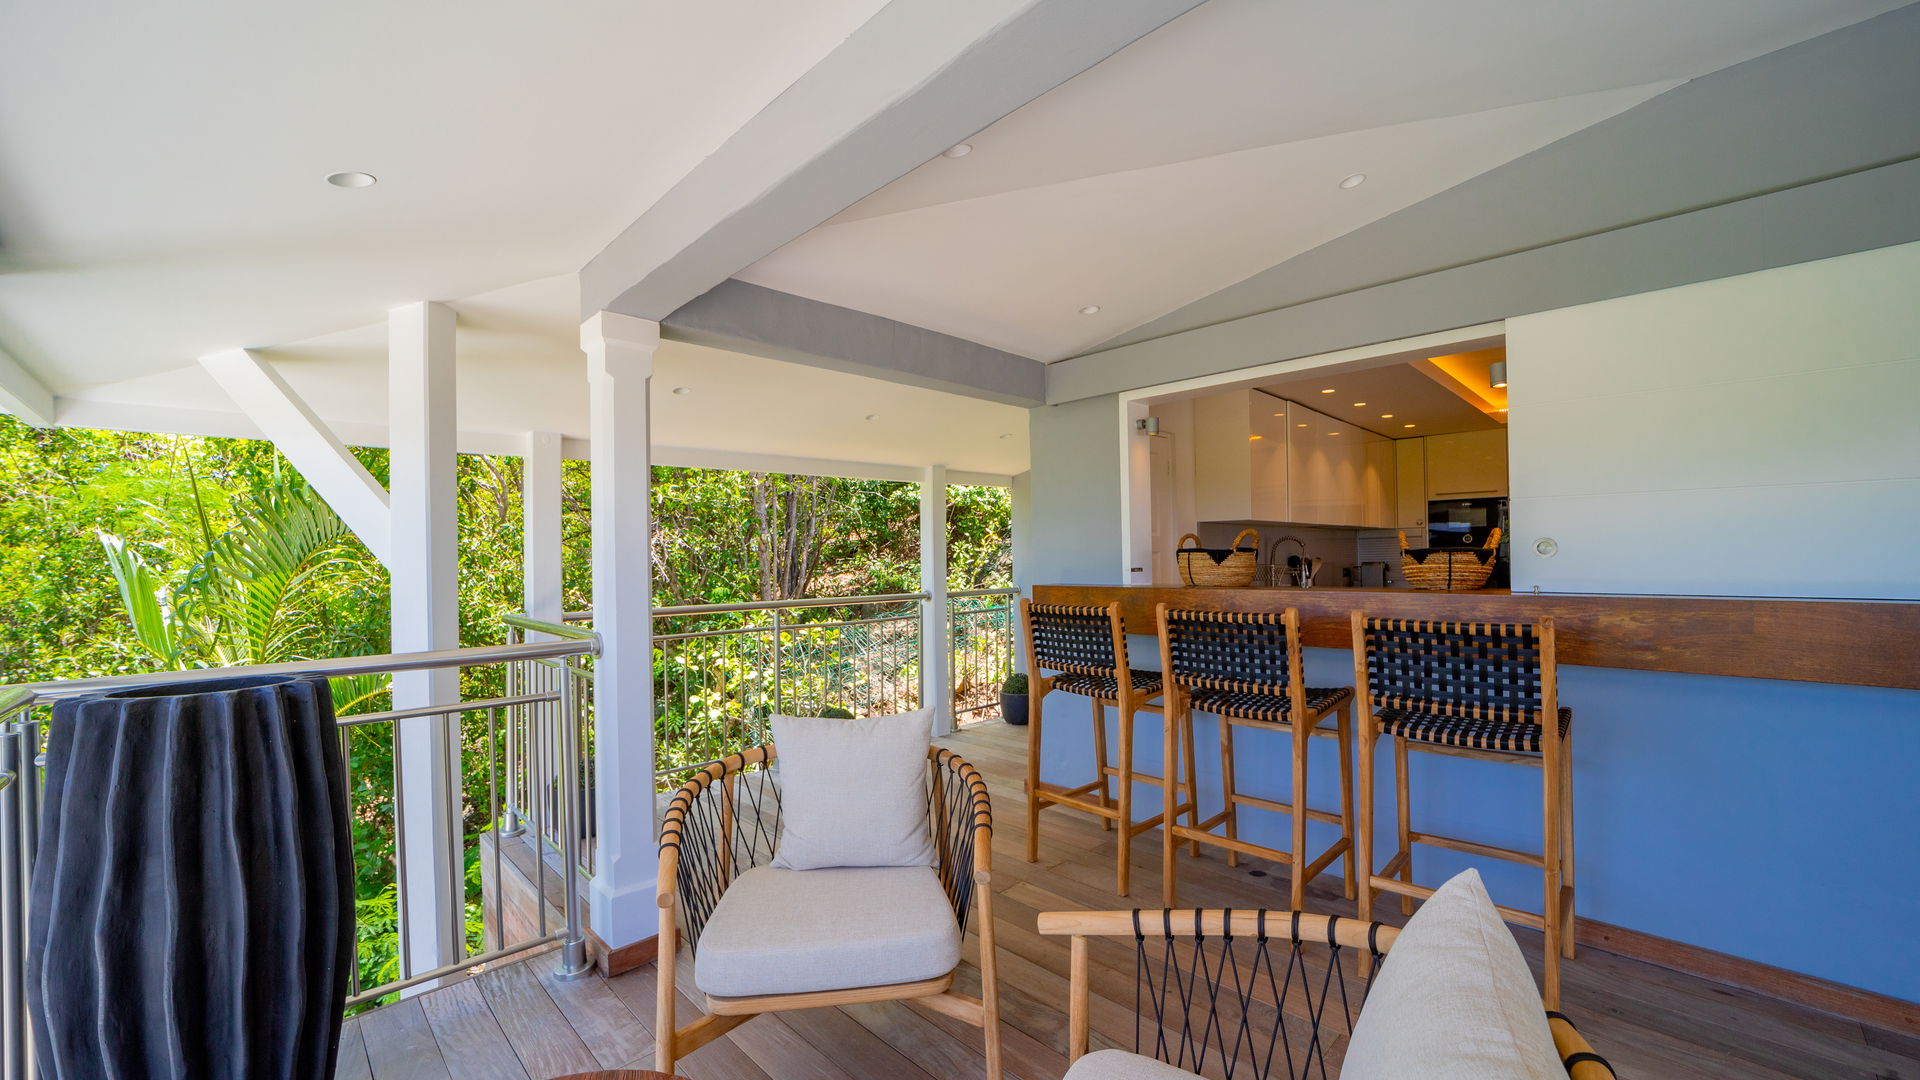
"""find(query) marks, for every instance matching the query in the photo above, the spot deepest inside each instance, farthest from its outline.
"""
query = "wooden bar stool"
(1244, 667)
(1475, 690)
(1088, 647)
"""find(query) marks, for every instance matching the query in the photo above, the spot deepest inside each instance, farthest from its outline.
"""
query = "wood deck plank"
(352, 1062)
(470, 1039)
(400, 1045)
(533, 1024)
(602, 1020)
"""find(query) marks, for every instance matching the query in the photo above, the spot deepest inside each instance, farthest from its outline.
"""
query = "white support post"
(426, 616)
(619, 352)
(540, 548)
(936, 656)
(309, 444)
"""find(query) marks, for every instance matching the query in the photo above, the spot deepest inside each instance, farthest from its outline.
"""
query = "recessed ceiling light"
(1333, 433)
(353, 179)
(1406, 425)
(683, 391)
(1353, 181)
(1503, 410)
(957, 150)
(1386, 416)
(1008, 435)
(1328, 390)
(1255, 438)
(1359, 404)
(1299, 425)
(1090, 309)
(873, 416)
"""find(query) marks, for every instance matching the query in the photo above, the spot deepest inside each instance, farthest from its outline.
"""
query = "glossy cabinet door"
(1240, 457)
(1470, 464)
(1410, 479)
(1340, 474)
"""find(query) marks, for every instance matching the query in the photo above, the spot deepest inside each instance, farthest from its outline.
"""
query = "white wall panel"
(1751, 436)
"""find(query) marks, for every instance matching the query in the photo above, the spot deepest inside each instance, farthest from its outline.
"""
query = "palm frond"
(144, 599)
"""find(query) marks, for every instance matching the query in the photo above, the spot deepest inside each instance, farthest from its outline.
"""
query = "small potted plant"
(1013, 699)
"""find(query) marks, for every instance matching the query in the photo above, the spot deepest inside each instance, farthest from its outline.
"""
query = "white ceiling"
(162, 165)
(520, 369)
(1212, 149)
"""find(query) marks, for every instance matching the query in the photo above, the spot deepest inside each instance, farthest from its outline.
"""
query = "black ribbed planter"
(192, 907)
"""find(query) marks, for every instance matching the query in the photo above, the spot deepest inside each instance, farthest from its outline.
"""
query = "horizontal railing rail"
(538, 718)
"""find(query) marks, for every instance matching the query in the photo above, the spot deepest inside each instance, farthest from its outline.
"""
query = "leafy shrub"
(1016, 683)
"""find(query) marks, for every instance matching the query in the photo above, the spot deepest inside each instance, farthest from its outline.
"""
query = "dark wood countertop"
(1848, 642)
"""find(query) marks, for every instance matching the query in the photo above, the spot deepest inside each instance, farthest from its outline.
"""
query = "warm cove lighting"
(353, 179)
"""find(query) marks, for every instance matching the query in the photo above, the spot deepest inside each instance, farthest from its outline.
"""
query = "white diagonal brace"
(306, 441)
(23, 395)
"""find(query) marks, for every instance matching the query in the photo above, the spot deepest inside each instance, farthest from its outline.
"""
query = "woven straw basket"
(1448, 569)
(1227, 568)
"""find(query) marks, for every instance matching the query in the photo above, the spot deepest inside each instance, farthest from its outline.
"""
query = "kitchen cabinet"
(1240, 457)
(1469, 464)
(1410, 484)
(1339, 474)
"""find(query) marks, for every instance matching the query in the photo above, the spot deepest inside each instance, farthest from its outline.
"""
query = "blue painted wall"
(1770, 820)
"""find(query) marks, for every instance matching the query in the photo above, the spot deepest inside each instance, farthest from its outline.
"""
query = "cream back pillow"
(1455, 1000)
(853, 792)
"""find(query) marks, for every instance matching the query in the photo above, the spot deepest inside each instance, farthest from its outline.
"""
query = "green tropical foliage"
(123, 553)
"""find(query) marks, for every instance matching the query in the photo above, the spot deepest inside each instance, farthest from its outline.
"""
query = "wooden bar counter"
(1848, 642)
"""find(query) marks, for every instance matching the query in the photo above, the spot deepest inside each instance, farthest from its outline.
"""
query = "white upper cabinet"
(1340, 474)
(1240, 457)
(1410, 480)
(1469, 464)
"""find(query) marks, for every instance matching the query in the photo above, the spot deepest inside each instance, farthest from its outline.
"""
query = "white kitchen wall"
(1730, 437)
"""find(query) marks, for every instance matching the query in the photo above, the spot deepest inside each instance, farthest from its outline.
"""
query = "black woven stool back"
(1079, 640)
(1483, 671)
(1241, 651)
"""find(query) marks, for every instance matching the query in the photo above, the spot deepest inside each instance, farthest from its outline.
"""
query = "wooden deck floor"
(518, 1022)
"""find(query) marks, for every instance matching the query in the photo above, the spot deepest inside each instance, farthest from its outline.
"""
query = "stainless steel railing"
(980, 642)
(544, 706)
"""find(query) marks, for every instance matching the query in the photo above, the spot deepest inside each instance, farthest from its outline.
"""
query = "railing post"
(573, 947)
(778, 665)
(13, 908)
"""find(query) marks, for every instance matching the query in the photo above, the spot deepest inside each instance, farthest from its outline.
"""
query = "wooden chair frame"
(1555, 762)
(1179, 727)
(1113, 811)
(673, 1042)
(1190, 930)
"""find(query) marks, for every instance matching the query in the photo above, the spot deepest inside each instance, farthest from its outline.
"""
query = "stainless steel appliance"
(1464, 522)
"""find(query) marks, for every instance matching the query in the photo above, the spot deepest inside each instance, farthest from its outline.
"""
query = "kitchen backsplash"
(1339, 549)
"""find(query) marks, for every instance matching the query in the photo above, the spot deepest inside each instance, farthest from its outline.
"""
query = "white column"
(619, 352)
(426, 617)
(936, 686)
(540, 526)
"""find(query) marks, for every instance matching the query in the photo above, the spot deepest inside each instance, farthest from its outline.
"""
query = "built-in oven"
(1464, 522)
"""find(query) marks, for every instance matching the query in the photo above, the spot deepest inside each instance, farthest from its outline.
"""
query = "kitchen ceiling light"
(1328, 390)
(957, 150)
(1090, 309)
(353, 179)
(1299, 425)
(1406, 425)
(1386, 416)
(1497, 374)
(683, 391)
(1255, 438)
(1359, 404)
(1333, 433)
(1353, 181)
(1503, 410)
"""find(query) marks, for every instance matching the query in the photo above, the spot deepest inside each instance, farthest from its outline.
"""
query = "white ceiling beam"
(918, 77)
(309, 444)
(23, 395)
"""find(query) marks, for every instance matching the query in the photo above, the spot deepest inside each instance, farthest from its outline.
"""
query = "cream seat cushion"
(1455, 1000)
(798, 931)
(1120, 1065)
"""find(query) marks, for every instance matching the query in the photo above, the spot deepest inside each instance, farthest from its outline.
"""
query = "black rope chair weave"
(1245, 668)
(1247, 994)
(726, 820)
(1485, 690)
(1082, 650)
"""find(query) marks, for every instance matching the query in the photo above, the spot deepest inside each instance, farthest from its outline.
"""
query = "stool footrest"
(1328, 816)
(1472, 848)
